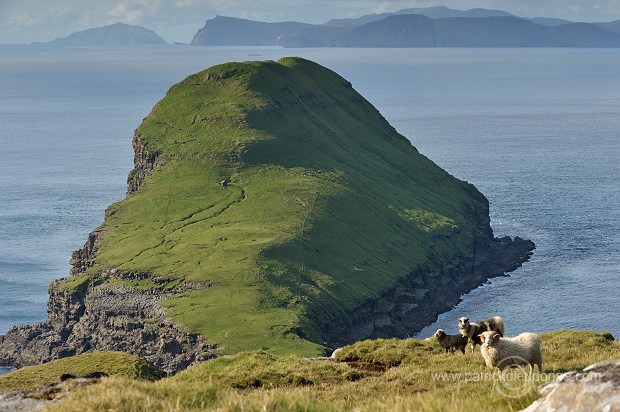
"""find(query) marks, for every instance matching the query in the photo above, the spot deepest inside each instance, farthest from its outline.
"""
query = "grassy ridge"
(326, 205)
(375, 375)
(112, 363)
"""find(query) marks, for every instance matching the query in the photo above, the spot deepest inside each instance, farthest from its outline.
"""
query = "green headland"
(272, 200)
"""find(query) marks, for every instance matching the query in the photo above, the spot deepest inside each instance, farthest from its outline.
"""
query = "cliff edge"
(271, 207)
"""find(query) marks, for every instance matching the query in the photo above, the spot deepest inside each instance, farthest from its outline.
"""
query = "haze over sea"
(536, 130)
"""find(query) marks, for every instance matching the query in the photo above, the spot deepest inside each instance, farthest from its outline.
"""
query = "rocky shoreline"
(104, 318)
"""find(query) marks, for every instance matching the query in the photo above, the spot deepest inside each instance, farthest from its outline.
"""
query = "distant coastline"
(419, 27)
(407, 28)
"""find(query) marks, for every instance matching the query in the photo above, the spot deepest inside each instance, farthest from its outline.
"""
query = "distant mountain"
(230, 31)
(611, 26)
(439, 12)
(420, 31)
(118, 34)
(549, 21)
(500, 29)
(436, 12)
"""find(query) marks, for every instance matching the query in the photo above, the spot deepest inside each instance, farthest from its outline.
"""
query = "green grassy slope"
(326, 205)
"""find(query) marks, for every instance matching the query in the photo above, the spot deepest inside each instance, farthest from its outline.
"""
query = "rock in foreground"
(595, 388)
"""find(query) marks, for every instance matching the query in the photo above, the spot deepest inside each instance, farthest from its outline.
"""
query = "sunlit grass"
(383, 375)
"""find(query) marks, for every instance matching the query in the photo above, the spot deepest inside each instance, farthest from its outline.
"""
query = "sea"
(536, 130)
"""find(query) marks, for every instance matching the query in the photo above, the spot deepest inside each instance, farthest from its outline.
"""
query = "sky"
(27, 21)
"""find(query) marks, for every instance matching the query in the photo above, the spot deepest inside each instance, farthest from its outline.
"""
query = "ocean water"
(536, 130)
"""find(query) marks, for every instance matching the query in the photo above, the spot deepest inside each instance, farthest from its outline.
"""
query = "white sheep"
(472, 330)
(502, 353)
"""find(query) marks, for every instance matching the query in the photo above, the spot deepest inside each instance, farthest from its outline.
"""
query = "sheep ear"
(496, 337)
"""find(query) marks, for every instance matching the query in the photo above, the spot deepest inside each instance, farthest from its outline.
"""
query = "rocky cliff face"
(144, 163)
(104, 318)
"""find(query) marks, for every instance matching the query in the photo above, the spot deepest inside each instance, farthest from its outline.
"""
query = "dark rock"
(67, 376)
(144, 163)
(91, 375)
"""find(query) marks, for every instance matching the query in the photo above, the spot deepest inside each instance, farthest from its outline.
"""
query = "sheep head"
(489, 337)
(440, 334)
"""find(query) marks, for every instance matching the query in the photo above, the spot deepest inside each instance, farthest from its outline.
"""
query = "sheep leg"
(532, 367)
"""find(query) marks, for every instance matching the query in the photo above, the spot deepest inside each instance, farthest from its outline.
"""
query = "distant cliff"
(271, 207)
(488, 29)
(230, 31)
(118, 34)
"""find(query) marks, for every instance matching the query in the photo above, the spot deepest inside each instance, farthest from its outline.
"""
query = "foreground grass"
(373, 375)
(112, 363)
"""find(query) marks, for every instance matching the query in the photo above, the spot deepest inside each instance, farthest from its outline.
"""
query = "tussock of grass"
(426, 379)
(112, 363)
(385, 352)
(264, 370)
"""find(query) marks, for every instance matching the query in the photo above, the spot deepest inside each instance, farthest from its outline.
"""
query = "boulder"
(596, 388)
